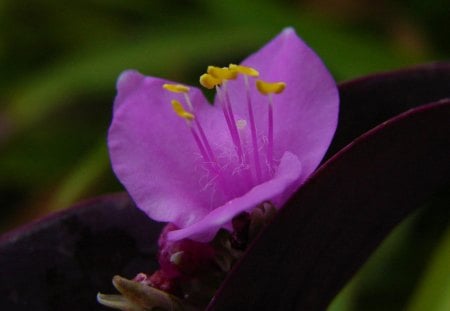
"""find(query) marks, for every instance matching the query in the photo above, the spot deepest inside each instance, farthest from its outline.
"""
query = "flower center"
(250, 160)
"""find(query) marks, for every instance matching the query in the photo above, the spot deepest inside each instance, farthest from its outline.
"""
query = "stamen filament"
(253, 132)
(203, 137)
(238, 144)
(202, 141)
(270, 134)
(229, 118)
(205, 141)
(188, 102)
(199, 144)
(233, 124)
(268, 89)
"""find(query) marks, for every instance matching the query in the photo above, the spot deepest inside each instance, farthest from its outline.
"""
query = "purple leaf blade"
(61, 262)
(340, 215)
(370, 100)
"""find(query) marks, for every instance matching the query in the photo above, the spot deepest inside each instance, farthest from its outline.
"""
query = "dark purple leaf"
(342, 213)
(60, 263)
(371, 100)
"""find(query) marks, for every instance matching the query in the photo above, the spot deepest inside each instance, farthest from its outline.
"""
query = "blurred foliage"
(59, 62)
(397, 274)
(434, 288)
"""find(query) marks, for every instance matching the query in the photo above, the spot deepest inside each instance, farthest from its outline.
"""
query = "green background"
(58, 66)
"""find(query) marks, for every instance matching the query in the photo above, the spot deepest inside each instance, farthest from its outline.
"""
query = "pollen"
(245, 70)
(180, 111)
(267, 88)
(222, 73)
(209, 82)
(176, 88)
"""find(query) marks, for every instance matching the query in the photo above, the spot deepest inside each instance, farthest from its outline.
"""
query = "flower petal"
(277, 190)
(153, 152)
(306, 113)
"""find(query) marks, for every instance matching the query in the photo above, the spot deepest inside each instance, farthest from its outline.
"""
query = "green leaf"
(433, 292)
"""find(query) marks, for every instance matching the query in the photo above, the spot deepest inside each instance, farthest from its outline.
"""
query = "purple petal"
(276, 190)
(305, 114)
(153, 152)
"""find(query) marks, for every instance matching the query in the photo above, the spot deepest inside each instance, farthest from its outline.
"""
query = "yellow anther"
(245, 70)
(209, 81)
(180, 111)
(267, 88)
(176, 88)
(222, 73)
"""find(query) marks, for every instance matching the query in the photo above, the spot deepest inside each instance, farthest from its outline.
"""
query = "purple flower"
(199, 166)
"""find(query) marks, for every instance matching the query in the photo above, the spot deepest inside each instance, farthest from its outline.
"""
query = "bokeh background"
(59, 62)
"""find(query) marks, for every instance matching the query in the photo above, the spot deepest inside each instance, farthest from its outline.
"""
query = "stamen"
(199, 137)
(218, 76)
(269, 89)
(270, 134)
(252, 121)
(176, 88)
(203, 137)
(188, 102)
(209, 82)
(179, 88)
(245, 70)
(180, 111)
(231, 122)
(205, 141)
(200, 146)
(222, 73)
(235, 135)
(201, 141)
